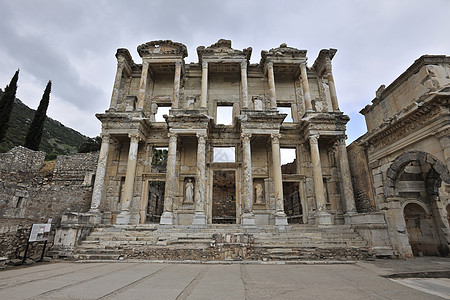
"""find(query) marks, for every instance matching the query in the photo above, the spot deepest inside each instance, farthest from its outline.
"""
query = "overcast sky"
(73, 43)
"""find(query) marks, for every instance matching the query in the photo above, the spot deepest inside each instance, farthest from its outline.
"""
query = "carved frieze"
(423, 116)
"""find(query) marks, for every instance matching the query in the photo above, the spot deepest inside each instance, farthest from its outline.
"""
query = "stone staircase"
(222, 242)
(308, 242)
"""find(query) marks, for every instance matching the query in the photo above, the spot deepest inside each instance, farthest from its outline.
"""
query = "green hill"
(56, 138)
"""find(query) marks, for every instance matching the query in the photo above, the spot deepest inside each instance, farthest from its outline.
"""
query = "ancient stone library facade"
(224, 159)
(215, 156)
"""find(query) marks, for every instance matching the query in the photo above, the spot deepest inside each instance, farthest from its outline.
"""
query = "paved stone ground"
(144, 280)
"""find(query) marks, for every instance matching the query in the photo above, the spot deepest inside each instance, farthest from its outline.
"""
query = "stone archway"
(418, 175)
(403, 160)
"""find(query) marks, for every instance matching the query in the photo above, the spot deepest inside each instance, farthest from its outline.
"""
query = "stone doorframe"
(236, 168)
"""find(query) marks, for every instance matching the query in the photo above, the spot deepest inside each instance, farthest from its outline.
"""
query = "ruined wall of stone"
(361, 178)
(34, 191)
(22, 159)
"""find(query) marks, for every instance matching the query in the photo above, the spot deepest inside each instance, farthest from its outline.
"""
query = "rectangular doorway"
(155, 205)
(292, 202)
(224, 197)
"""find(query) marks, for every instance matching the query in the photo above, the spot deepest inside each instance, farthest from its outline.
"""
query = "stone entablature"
(410, 90)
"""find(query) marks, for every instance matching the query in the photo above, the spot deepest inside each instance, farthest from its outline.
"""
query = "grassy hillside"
(56, 138)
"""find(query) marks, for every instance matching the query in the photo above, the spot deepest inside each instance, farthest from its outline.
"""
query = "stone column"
(204, 95)
(322, 217)
(350, 206)
(248, 217)
(117, 83)
(271, 77)
(167, 216)
(305, 85)
(333, 95)
(244, 85)
(200, 192)
(143, 85)
(97, 193)
(280, 216)
(124, 216)
(176, 85)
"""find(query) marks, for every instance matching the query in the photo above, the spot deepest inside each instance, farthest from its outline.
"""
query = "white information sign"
(38, 231)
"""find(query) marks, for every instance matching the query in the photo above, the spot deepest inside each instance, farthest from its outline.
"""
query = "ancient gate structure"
(223, 140)
(401, 165)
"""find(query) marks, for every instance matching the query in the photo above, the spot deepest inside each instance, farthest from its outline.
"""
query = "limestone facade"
(401, 165)
(200, 143)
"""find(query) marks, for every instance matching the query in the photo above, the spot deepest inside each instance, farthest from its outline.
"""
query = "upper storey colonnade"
(163, 78)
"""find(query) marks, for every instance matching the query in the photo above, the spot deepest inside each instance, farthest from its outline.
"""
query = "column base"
(123, 218)
(248, 219)
(166, 218)
(348, 217)
(95, 216)
(281, 219)
(324, 218)
(199, 218)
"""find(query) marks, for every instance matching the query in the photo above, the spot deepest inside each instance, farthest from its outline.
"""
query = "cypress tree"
(34, 134)
(6, 104)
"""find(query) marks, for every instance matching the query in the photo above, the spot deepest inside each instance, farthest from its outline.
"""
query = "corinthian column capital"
(135, 137)
(246, 137)
(105, 137)
(314, 139)
(275, 138)
(341, 139)
(201, 137)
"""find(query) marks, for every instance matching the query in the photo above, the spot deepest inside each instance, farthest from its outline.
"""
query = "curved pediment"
(162, 47)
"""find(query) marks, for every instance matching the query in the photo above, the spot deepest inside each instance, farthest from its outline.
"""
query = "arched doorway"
(421, 230)
(416, 178)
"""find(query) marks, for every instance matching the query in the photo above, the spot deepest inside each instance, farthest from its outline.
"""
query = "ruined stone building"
(224, 159)
(200, 143)
(401, 165)
(33, 190)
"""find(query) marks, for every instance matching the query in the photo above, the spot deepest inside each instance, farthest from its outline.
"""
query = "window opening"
(159, 159)
(162, 110)
(288, 160)
(224, 154)
(224, 115)
(286, 109)
(19, 202)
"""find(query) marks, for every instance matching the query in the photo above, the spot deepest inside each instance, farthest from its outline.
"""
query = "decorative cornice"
(282, 51)
(413, 69)
(323, 61)
(162, 47)
(125, 54)
(223, 47)
(417, 119)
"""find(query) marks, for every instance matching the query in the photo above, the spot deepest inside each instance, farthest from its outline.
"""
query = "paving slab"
(145, 280)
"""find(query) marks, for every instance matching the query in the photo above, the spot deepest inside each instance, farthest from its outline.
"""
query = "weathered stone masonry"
(31, 191)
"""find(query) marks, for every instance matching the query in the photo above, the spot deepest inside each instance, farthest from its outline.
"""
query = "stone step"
(101, 256)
